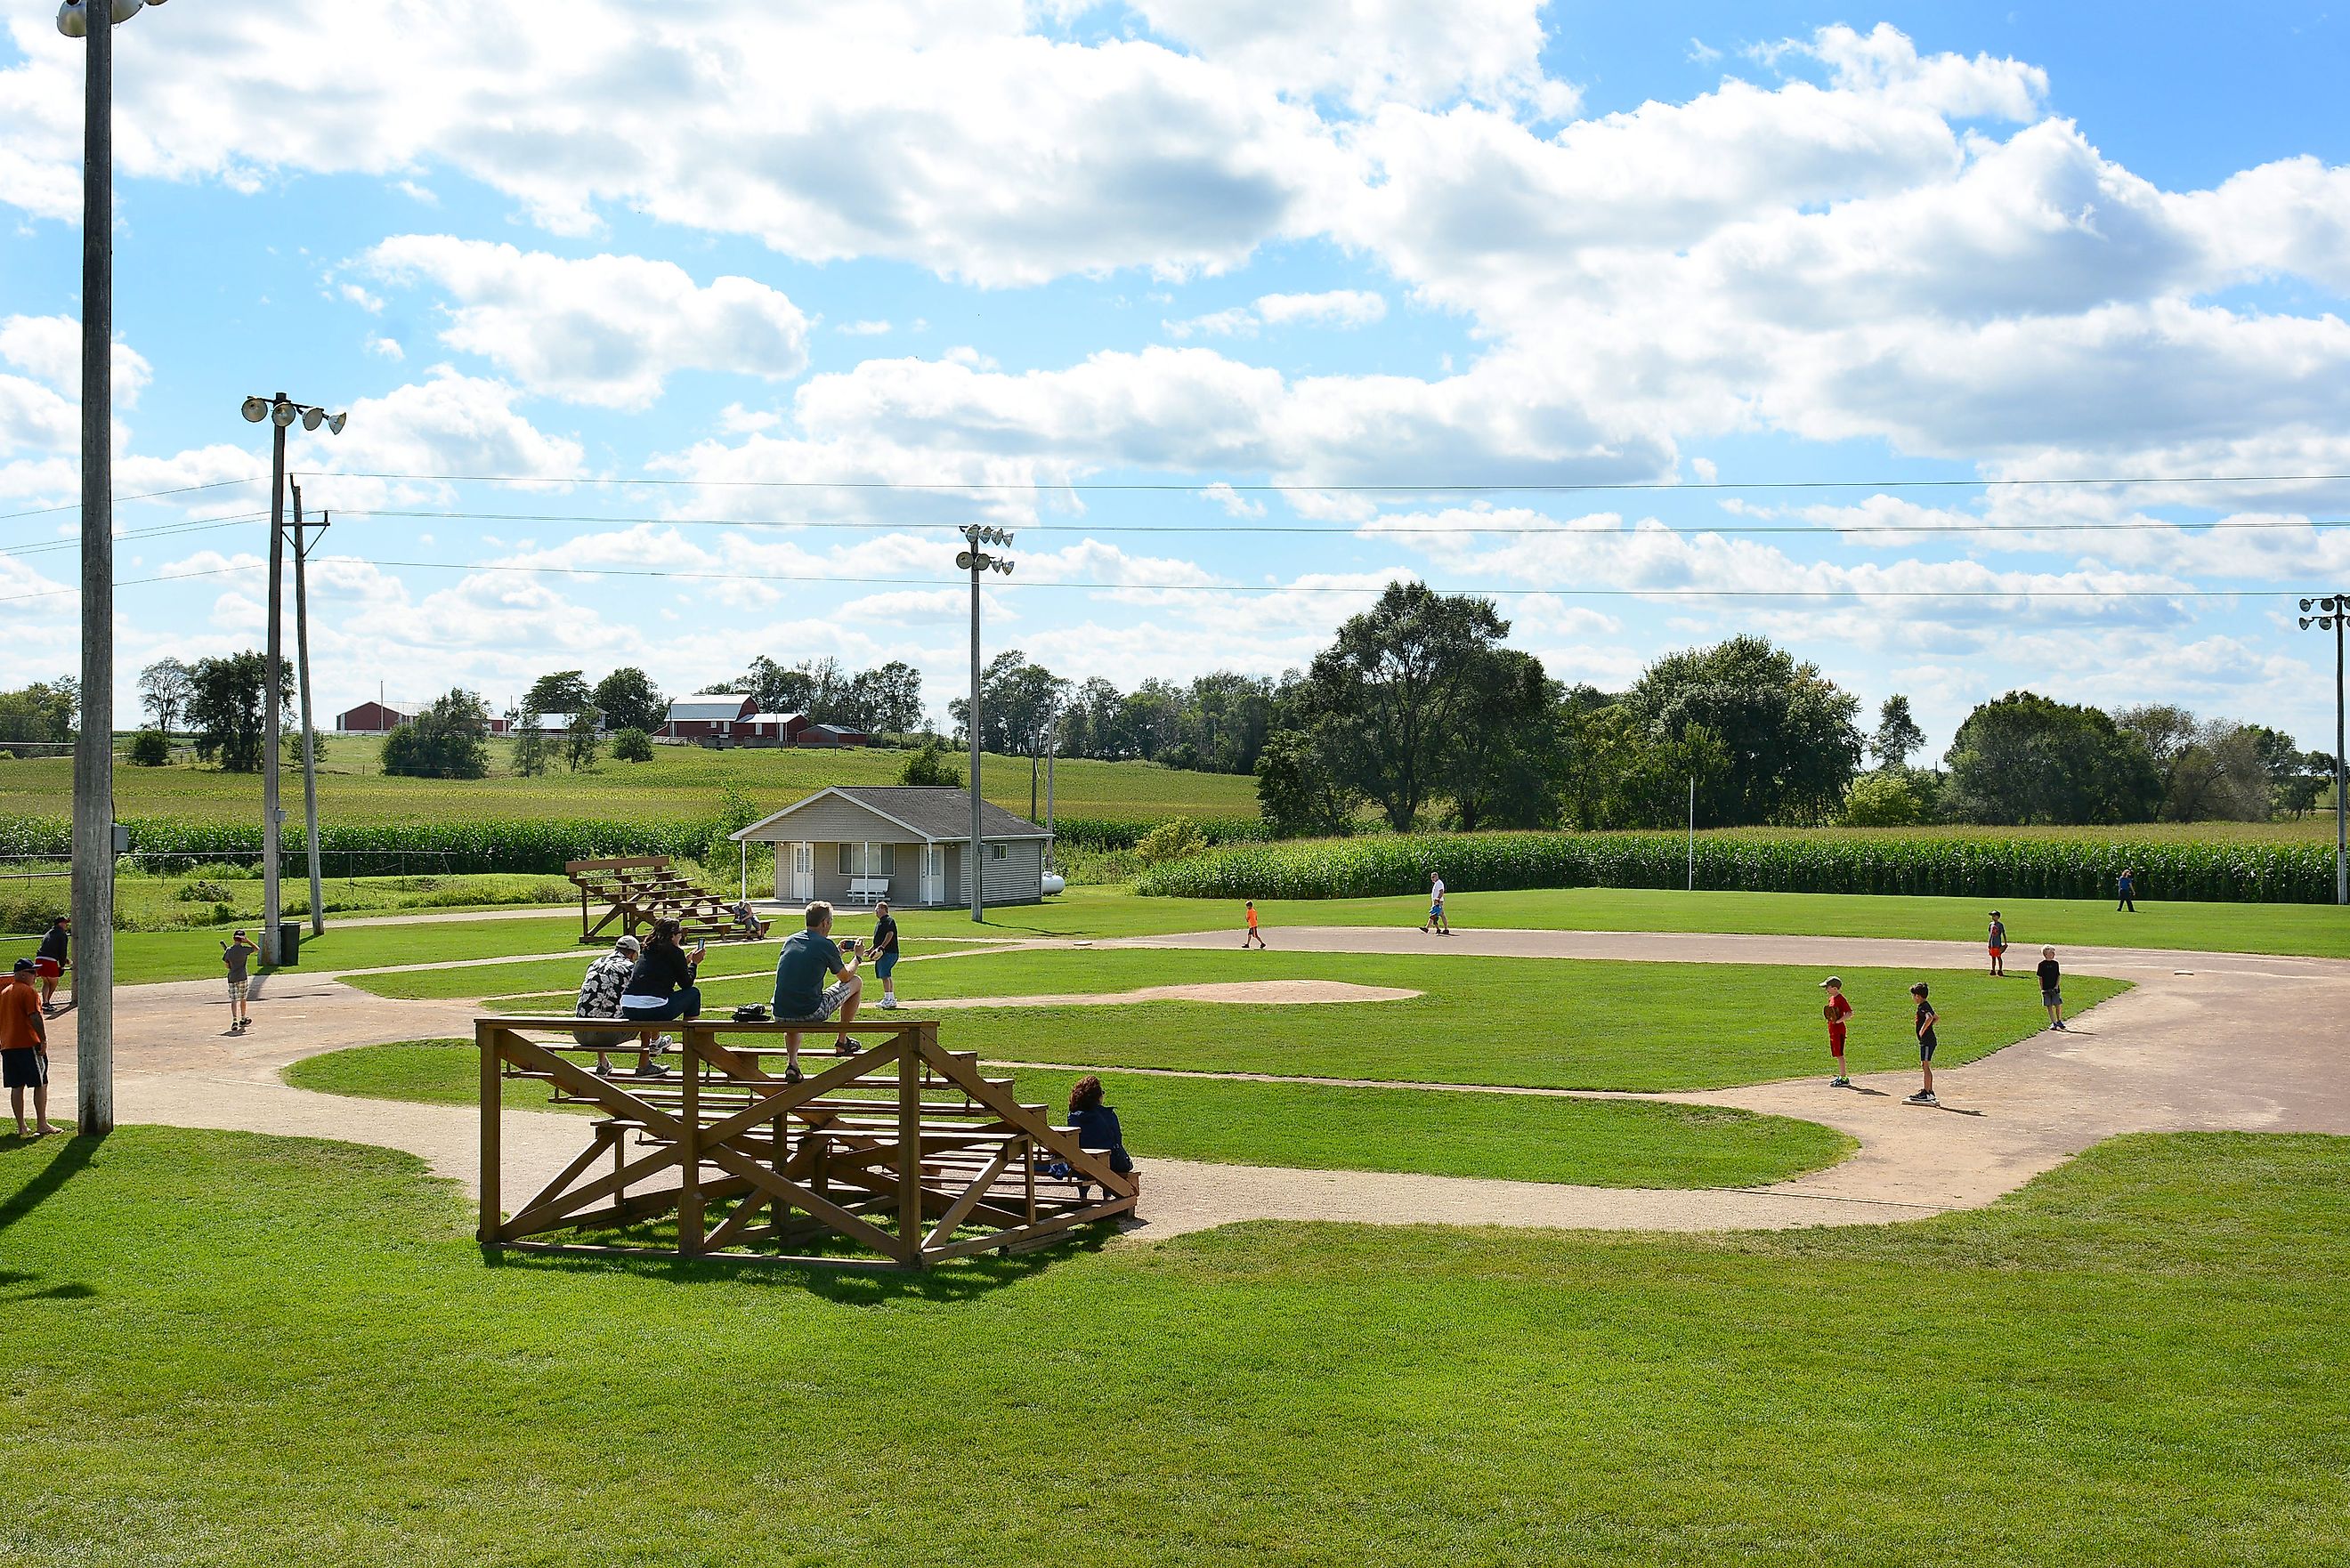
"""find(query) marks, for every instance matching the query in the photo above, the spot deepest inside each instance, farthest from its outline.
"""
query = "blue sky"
(1387, 259)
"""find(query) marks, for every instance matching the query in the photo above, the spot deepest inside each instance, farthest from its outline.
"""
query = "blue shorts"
(886, 962)
(1436, 911)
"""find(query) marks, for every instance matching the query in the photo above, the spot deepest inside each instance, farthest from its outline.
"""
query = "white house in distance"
(853, 843)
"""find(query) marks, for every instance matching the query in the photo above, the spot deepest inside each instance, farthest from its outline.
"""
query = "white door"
(803, 872)
(934, 873)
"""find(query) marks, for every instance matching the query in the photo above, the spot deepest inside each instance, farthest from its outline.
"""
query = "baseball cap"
(24, 966)
(1832, 980)
(629, 945)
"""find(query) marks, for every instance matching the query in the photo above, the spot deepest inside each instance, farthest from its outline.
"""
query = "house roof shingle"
(940, 812)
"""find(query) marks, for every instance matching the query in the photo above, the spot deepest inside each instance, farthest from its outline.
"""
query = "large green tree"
(2026, 758)
(629, 701)
(449, 740)
(563, 691)
(885, 700)
(1017, 700)
(1296, 793)
(42, 713)
(164, 688)
(1388, 700)
(1508, 760)
(1788, 729)
(224, 708)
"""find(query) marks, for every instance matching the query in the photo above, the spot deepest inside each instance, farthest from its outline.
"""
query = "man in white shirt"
(1435, 921)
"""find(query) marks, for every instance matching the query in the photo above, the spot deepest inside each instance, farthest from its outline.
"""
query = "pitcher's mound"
(1259, 992)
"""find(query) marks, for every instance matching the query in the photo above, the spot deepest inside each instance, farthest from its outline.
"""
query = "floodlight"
(284, 414)
(334, 421)
(1004, 536)
(963, 563)
(71, 20)
(313, 417)
(2305, 604)
(257, 409)
(1003, 567)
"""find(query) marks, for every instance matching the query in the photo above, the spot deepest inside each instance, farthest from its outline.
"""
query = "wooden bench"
(640, 889)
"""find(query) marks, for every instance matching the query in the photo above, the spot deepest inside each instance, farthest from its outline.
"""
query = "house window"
(868, 860)
(995, 852)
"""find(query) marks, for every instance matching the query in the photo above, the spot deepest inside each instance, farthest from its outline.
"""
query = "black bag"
(751, 1013)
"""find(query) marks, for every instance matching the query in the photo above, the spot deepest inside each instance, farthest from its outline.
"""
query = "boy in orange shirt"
(1253, 934)
(1836, 1010)
(25, 1048)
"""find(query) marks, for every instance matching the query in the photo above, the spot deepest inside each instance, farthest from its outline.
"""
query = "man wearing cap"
(25, 1048)
(600, 997)
(1836, 1010)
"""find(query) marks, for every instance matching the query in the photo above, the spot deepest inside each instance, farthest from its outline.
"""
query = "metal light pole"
(93, 800)
(309, 732)
(281, 412)
(974, 560)
(2334, 614)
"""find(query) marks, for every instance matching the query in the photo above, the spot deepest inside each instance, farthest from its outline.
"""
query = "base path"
(2206, 1041)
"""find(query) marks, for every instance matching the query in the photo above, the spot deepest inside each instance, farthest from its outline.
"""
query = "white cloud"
(604, 330)
(1234, 504)
(862, 328)
(1339, 308)
(386, 348)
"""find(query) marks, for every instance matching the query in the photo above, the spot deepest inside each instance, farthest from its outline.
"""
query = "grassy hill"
(680, 782)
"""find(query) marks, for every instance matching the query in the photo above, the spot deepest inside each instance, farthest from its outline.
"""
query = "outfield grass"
(1514, 1137)
(226, 1349)
(681, 781)
(1523, 1022)
(141, 958)
(2316, 930)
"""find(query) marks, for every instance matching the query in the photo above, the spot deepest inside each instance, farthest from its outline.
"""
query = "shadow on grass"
(70, 1160)
(958, 1279)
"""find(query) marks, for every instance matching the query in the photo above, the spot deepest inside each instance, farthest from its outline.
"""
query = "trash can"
(289, 943)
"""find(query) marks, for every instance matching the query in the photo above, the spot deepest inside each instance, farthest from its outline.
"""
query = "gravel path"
(2204, 1041)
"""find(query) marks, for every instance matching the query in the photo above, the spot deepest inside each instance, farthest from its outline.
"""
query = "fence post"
(690, 1232)
(487, 1038)
(909, 1140)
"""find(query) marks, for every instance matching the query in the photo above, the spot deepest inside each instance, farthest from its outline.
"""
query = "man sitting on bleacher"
(600, 997)
(802, 995)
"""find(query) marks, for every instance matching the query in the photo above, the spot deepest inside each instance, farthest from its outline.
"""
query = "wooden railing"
(900, 1154)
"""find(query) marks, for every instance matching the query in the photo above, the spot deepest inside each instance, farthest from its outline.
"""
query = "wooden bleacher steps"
(901, 1156)
(638, 890)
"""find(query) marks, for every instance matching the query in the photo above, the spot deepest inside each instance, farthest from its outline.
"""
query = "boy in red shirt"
(25, 1048)
(1836, 1010)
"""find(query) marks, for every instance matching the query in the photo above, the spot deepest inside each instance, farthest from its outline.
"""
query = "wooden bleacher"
(901, 1156)
(638, 890)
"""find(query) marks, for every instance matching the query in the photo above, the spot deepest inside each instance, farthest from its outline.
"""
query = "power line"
(1352, 530)
(1538, 487)
(160, 530)
(147, 495)
(1647, 593)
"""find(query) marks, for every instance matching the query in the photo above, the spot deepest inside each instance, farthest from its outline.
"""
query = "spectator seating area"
(635, 890)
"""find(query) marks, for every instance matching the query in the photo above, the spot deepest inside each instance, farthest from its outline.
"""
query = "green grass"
(1515, 1138)
(141, 958)
(2319, 931)
(226, 1349)
(680, 782)
(1523, 1022)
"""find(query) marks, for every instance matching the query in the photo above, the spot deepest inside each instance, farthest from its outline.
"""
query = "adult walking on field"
(801, 994)
(25, 1048)
(1435, 921)
(51, 961)
(2126, 886)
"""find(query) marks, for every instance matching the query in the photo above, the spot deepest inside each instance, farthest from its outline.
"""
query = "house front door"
(803, 872)
(934, 873)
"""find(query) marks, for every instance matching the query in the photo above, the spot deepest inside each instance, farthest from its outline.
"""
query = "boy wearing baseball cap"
(25, 1048)
(1836, 1010)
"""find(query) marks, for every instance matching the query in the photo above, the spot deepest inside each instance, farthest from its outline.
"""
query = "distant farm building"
(724, 719)
(374, 718)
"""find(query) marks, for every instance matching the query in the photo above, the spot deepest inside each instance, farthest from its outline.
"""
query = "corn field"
(2047, 868)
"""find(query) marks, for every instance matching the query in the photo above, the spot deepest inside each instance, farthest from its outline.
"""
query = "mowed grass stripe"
(1515, 1138)
(275, 1350)
(1571, 1023)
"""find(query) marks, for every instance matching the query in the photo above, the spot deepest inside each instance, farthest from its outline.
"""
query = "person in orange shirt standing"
(1253, 934)
(25, 1048)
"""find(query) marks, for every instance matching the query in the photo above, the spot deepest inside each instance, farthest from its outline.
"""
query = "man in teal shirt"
(802, 993)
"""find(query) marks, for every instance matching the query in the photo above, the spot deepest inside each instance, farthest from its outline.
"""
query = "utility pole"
(2334, 614)
(1693, 833)
(309, 733)
(974, 560)
(93, 802)
(280, 412)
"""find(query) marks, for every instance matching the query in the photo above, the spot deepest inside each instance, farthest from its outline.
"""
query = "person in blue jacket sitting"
(1096, 1127)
